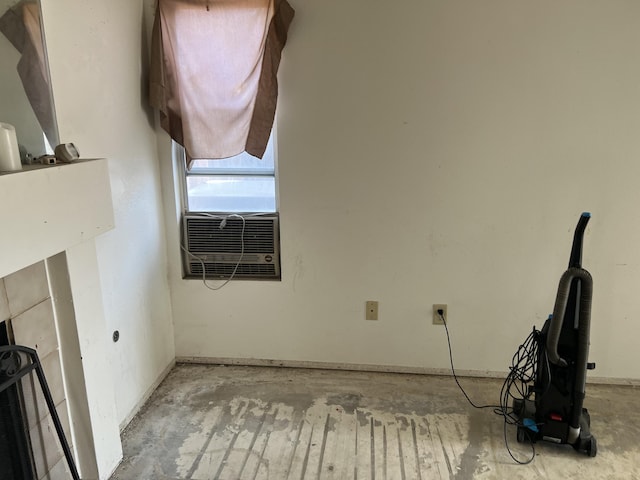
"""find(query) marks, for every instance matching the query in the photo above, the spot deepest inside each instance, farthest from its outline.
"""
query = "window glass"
(231, 193)
(242, 183)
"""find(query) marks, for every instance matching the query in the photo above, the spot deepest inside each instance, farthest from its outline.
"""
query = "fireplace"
(50, 294)
(18, 440)
(33, 403)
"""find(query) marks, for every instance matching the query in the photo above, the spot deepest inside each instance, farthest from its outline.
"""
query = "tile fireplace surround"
(25, 302)
(50, 289)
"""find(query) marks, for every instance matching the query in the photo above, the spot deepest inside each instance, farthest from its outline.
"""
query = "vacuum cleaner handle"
(559, 309)
(575, 259)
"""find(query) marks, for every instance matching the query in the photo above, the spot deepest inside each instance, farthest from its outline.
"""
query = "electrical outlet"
(437, 319)
(371, 312)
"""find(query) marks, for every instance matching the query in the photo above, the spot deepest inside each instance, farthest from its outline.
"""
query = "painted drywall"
(441, 152)
(97, 53)
(41, 228)
(82, 333)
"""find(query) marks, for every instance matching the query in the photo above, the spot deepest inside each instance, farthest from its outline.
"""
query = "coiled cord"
(522, 372)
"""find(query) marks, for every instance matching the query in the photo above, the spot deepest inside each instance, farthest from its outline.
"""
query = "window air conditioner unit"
(216, 242)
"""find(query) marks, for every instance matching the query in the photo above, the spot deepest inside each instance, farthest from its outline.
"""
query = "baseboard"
(134, 411)
(358, 367)
(630, 382)
(257, 362)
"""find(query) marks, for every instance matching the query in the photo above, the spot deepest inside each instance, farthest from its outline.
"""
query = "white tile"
(4, 303)
(34, 401)
(59, 472)
(46, 447)
(35, 328)
(26, 288)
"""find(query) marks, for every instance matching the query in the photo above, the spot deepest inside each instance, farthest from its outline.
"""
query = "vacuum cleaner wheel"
(592, 448)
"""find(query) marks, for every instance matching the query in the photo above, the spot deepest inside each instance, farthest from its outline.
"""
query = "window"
(239, 184)
(231, 225)
(213, 79)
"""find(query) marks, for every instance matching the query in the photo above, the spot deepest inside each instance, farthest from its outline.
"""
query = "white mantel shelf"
(46, 210)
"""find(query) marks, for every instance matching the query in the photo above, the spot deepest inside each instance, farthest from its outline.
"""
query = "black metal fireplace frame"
(14, 369)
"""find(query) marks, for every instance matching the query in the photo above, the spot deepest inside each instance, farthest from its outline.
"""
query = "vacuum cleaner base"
(557, 432)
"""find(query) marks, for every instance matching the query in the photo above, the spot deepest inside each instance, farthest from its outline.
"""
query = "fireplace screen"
(15, 453)
(16, 459)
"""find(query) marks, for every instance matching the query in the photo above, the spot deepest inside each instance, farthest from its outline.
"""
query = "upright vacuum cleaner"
(555, 413)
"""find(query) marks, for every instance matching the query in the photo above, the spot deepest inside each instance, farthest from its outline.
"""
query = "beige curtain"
(213, 73)
(21, 25)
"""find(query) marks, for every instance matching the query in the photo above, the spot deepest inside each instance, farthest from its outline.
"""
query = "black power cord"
(521, 373)
(453, 370)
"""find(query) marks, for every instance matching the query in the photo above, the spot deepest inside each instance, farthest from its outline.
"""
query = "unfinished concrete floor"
(210, 422)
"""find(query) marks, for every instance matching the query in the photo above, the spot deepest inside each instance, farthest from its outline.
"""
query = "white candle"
(9, 152)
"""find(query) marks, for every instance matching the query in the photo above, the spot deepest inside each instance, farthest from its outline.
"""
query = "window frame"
(180, 155)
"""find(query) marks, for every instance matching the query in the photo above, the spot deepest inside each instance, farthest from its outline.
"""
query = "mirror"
(26, 100)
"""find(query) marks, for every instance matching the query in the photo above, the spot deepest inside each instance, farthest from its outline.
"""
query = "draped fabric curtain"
(21, 25)
(213, 73)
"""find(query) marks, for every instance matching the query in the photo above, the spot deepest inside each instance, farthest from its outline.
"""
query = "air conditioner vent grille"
(205, 235)
(220, 248)
(224, 270)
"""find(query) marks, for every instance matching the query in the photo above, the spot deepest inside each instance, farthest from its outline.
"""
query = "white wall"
(441, 152)
(96, 50)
